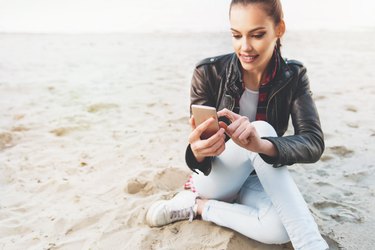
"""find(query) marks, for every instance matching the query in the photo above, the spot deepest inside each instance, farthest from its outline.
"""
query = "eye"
(236, 36)
(259, 36)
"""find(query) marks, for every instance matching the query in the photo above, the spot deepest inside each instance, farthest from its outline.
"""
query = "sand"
(93, 129)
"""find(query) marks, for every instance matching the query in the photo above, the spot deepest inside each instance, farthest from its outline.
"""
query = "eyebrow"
(253, 30)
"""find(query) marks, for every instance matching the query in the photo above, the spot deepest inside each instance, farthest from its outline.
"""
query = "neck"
(252, 80)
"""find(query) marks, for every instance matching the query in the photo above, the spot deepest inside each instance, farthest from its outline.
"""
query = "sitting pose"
(240, 178)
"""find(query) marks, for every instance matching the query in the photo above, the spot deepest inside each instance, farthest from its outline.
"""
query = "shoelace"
(183, 214)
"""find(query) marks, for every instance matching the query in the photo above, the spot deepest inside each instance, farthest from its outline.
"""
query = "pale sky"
(74, 16)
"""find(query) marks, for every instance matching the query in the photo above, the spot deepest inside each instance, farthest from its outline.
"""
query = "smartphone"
(202, 113)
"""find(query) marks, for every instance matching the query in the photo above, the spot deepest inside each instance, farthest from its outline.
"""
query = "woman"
(242, 182)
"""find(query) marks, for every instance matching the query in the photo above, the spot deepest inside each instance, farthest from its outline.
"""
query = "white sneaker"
(180, 207)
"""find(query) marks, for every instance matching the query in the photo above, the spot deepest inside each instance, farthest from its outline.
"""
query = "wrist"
(199, 158)
(267, 148)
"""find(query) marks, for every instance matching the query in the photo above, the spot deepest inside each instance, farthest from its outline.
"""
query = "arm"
(199, 94)
(307, 143)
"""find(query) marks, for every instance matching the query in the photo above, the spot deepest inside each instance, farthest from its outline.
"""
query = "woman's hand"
(244, 134)
(212, 146)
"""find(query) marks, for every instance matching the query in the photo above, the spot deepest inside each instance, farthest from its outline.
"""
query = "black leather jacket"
(217, 82)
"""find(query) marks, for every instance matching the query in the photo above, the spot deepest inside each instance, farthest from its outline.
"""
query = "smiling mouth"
(248, 58)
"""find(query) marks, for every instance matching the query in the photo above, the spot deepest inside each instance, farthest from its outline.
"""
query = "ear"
(280, 29)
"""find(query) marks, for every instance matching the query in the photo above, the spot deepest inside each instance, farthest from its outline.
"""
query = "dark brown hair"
(273, 9)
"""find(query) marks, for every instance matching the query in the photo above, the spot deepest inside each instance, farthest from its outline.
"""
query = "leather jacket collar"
(234, 82)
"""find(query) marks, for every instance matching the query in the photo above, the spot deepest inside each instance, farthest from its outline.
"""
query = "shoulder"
(293, 62)
(298, 73)
(214, 61)
(297, 67)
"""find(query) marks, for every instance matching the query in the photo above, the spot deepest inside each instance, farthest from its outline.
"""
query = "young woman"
(240, 178)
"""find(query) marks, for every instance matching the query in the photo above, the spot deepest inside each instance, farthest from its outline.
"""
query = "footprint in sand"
(18, 117)
(94, 108)
(351, 108)
(364, 177)
(322, 172)
(340, 151)
(6, 139)
(165, 180)
(352, 125)
(64, 131)
(19, 129)
(319, 97)
(341, 213)
(326, 188)
(325, 157)
(151, 105)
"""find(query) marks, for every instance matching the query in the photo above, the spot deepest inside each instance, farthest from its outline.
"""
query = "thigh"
(229, 172)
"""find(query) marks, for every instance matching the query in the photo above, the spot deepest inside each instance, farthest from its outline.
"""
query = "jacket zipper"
(269, 100)
(231, 102)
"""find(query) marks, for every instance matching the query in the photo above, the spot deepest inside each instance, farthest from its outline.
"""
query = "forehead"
(248, 17)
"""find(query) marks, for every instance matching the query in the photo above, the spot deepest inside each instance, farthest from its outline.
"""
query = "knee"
(279, 236)
(264, 129)
(276, 232)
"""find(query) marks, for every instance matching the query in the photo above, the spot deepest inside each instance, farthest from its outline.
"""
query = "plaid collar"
(270, 71)
(234, 85)
(272, 68)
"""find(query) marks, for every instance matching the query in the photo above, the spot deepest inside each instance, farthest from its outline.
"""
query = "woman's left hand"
(244, 134)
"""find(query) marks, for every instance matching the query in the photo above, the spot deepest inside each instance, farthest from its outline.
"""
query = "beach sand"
(93, 130)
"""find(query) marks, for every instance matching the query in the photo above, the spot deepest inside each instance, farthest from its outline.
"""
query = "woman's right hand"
(212, 146)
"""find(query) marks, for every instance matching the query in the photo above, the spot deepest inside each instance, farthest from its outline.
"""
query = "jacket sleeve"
(307, 143)
(199, 94)
(200, 91)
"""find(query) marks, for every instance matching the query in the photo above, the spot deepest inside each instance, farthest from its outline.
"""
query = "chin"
(248, 66)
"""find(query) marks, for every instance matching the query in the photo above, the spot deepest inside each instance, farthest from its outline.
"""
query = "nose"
(246, 44)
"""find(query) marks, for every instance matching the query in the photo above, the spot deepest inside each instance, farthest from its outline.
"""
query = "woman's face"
(254, 36)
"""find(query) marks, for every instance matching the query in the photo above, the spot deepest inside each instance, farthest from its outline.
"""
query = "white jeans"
(268, 207)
